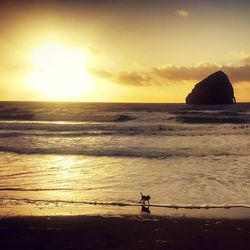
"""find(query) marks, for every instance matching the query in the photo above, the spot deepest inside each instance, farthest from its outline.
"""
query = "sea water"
(106, 154)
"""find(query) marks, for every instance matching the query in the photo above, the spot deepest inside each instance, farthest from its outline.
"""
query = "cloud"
(93, 50)
(18, 67)
(238, 73)
(100, 73)
(182, 13)
(175, 73)
(161, 75)
(172, 74)
(133, 78)
(246, 59)
(200, 71)
(136, 77)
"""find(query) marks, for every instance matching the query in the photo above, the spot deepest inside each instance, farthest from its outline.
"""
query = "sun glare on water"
(59, 72)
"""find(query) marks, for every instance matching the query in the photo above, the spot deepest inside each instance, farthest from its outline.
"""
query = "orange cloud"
(175, 73)
(238, 73)
(162, 75)
(93, 49)
(133, 78)
(246, 59)
(168, 74)
(99, 73)
(182, 13)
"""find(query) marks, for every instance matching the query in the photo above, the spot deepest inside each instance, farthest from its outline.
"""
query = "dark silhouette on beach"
(144, 198)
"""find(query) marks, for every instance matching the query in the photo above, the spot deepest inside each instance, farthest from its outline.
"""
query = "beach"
(123, 232)
(72, 173)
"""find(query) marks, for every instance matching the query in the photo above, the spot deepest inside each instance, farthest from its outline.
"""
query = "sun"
(59, 73)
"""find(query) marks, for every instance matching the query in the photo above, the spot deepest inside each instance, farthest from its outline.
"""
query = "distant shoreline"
(133, 103)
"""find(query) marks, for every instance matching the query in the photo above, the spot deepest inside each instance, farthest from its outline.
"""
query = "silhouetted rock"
(215, 89)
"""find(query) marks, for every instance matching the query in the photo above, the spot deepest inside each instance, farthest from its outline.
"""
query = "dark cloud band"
(172, 74)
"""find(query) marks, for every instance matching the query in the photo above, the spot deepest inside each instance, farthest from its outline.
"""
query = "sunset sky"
(121, 51)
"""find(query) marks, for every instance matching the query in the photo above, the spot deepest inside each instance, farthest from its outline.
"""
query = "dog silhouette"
(144, 198)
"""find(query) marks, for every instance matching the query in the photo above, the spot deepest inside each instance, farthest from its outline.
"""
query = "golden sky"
(121, 51)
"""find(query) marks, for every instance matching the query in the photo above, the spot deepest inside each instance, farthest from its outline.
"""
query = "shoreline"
(79, 209)
(143, 231)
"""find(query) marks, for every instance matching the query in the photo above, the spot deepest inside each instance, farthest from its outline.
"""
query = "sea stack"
(214, 90)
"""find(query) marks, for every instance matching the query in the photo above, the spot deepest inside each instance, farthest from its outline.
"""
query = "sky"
(121, 51)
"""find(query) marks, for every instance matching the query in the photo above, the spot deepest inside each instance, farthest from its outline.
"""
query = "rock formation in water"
(213, 90)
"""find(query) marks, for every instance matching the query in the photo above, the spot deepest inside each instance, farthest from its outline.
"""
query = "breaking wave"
(94, 152)
(8, 116)
(151, 153)
(203, 119)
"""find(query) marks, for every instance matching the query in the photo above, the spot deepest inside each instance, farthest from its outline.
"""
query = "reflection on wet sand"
(145, 209)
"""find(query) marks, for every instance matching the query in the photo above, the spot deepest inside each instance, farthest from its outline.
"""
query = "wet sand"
(123, 232)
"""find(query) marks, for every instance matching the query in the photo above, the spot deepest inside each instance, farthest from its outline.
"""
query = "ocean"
(58, 155)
